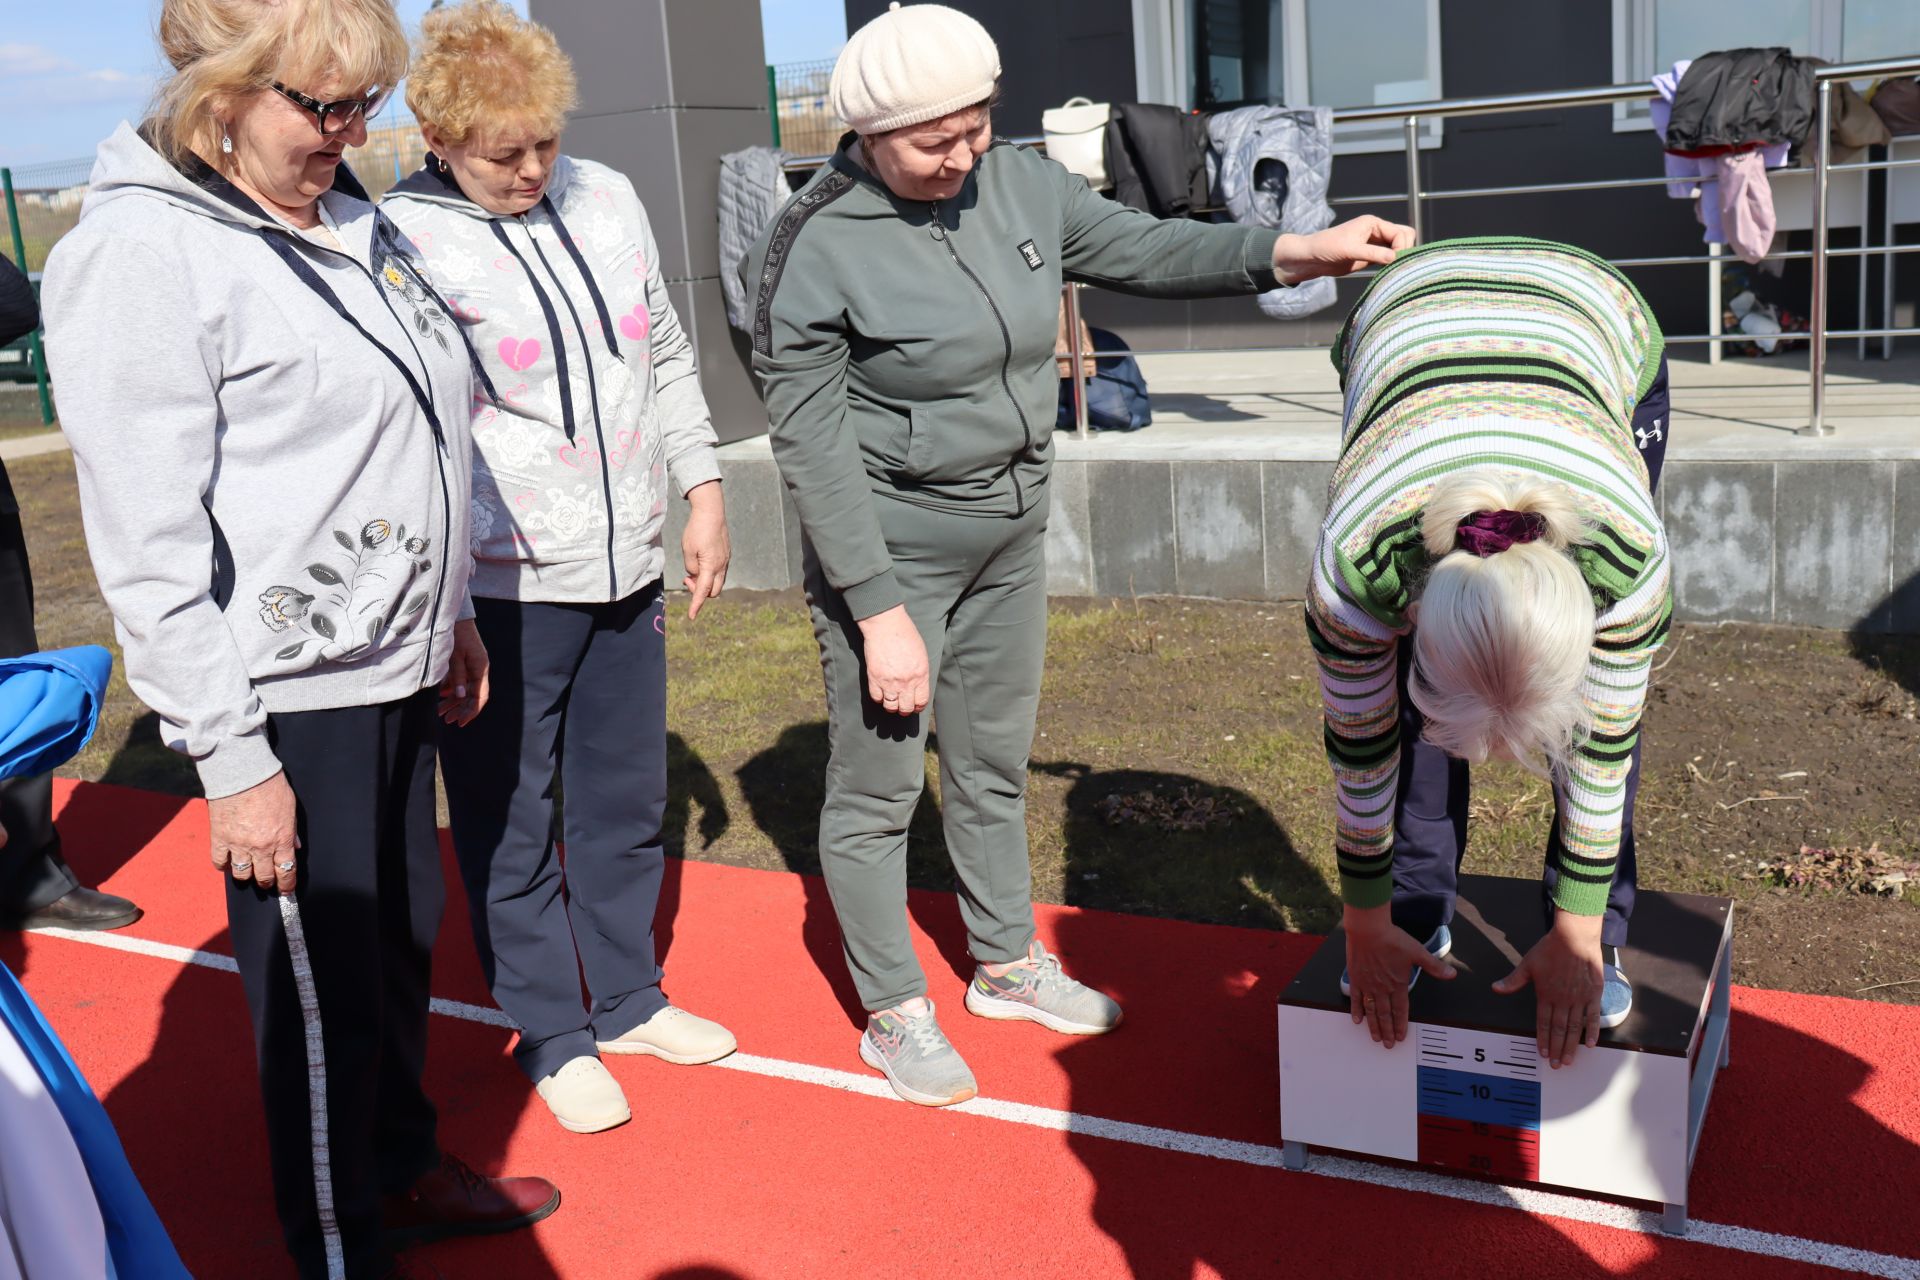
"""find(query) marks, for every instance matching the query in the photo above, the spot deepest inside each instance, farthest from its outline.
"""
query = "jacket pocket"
(945, 447)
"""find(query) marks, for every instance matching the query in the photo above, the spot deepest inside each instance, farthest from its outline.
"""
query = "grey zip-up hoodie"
(906, 350)
(600, 403)
(272, 446)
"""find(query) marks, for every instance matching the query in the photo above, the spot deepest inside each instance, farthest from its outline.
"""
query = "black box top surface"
(1670, 956)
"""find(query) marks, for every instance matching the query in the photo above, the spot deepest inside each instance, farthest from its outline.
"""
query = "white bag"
(1077, 137)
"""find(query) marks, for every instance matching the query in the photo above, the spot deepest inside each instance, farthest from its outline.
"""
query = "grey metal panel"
(1219, 543)
(721, 351)
(1833, 533)
(1130, 513)
(702, 138)
(1295, 497)
(718, 58)
(619, 52)
(1720, 523)
(641, 145)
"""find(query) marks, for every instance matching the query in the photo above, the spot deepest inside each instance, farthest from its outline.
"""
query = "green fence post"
(773, 101)
(34, 350)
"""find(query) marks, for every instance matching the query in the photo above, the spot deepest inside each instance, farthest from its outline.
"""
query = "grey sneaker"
(916, 1058)
(1038, 991)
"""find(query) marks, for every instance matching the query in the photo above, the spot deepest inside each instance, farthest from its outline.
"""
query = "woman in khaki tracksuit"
(903, 325)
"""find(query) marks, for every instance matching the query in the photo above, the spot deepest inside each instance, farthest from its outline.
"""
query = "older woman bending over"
(1491, 581)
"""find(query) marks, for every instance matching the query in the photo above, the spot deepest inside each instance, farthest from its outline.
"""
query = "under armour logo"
(1647, 435)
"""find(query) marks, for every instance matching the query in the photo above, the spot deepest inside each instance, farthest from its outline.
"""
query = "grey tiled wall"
(1829, 544)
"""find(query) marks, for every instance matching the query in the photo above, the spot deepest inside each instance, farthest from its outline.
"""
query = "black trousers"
(579, 697)
(338, 988)
(32, 872)
(1430, 812)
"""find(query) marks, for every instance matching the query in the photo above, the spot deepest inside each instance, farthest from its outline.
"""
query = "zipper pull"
(936, 228)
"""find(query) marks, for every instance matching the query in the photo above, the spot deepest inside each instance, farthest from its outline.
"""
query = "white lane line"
(1525, 1199)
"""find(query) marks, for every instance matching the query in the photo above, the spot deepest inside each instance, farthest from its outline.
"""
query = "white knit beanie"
(912, 65)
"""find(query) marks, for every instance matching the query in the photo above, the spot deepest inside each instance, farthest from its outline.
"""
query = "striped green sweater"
(1512, 353)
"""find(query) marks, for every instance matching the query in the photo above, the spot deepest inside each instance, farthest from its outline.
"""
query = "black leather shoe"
(82, 909)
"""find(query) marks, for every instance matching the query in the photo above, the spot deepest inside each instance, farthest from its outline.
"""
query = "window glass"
(1879, 29)
(1362, 55)
(1237, 51)
(1688, 28)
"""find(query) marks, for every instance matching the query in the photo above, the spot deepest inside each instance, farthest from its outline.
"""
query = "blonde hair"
(480, 66)
(223, 50)
(1501, 643)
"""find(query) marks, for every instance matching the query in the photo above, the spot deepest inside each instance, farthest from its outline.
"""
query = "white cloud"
(39, 77)
(30, 60)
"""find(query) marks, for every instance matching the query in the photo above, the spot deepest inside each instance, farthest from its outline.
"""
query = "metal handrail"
(1411, 114)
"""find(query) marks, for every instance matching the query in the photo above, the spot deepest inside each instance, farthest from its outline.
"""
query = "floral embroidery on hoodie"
(401, 280)
(359, 600)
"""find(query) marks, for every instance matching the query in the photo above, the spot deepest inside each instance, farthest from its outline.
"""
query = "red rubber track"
(1814, 1132)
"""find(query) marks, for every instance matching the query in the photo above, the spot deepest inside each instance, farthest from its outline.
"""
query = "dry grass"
(1178, 768)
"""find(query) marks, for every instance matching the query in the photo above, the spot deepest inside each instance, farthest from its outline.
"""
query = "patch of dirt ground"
(1178, 769)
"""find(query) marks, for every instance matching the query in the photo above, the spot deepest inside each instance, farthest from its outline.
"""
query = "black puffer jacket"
(1740, 97)
(19, 312)
(1157, 156)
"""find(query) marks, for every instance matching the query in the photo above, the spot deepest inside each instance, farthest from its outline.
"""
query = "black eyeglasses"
(337, 117)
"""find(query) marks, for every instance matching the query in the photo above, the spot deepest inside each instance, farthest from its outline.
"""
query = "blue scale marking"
(1451, 1094)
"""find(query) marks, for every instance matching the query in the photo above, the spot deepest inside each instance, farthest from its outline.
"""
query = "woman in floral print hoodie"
(549, 264)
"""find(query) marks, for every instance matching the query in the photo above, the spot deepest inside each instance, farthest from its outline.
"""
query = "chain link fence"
(804, 123)
(45, 204)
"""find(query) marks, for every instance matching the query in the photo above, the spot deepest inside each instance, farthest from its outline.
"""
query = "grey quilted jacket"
(753, 187)
(1275, 164)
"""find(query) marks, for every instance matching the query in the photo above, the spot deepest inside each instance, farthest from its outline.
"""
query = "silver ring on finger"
(286, 866)
(242, 868)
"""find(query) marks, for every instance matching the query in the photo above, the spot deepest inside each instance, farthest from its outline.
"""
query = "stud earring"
(226, 145)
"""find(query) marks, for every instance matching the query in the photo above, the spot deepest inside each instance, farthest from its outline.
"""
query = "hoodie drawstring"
(580, 265)
(384, 227)
(282, 245)
(553, 328)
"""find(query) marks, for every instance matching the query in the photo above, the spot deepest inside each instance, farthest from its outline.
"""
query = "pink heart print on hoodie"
(598, 399)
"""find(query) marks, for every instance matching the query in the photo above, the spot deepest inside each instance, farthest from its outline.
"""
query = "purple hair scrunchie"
(1486, 533)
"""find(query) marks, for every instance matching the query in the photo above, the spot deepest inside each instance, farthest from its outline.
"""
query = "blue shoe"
(1439, 946)
(1616, 997)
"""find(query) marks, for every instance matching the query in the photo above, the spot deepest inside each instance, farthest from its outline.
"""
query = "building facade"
(1216, 54)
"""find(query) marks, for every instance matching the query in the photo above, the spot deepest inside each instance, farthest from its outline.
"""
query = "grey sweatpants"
(976, 587)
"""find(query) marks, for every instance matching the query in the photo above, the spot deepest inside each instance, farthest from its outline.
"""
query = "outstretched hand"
(1568, 975)
(1353, 245)
(1381, 957)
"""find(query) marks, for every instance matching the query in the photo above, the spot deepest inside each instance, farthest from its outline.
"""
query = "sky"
(70, 70)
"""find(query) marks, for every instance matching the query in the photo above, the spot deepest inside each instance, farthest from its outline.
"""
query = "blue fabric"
(137, 1245)
(49, 705)
(1117, 392)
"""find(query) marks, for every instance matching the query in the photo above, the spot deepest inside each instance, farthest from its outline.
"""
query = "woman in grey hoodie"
(268, 412)
(549, 265)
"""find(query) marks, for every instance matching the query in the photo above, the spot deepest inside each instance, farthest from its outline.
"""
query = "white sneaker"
(675, 1035)
(584, 1097)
